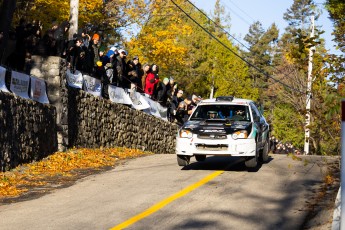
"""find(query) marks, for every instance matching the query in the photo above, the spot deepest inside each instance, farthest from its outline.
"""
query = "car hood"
(216, 126)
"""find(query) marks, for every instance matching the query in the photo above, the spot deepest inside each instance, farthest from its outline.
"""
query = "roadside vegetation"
(61, 166)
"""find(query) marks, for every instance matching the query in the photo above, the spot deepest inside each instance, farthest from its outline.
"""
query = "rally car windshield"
(231, 112)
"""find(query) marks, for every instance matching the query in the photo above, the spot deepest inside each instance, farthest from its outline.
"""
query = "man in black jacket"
(120, 70)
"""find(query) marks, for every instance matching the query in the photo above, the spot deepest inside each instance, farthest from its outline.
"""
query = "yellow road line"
(166, 201)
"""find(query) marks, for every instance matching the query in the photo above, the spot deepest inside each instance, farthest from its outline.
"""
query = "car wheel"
(200, 157)
(183, 160)
(251, 162)
(264, 152)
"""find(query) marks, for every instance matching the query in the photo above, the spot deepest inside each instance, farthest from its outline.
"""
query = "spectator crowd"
(278, 147)
(87, 54)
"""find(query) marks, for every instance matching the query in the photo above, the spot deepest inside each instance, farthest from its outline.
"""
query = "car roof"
(234, 101)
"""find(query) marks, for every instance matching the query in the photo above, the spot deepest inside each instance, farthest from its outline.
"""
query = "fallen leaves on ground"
(62, 164)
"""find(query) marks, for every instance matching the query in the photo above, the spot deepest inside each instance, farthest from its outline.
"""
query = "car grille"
(211, 147)
(212, 136)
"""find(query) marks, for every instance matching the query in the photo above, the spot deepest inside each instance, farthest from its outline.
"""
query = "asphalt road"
(216, 194)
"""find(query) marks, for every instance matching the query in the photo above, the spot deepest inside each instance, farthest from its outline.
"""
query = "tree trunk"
(74, 13)
(6, 15)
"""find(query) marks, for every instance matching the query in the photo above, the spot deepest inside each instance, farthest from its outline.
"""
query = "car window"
(219, 111)
(255, 111)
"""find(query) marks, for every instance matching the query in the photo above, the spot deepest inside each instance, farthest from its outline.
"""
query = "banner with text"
(75, 79)
(38, 90)
(118, 95)
(2, 79)
(138, 102)
(93, 85)
(20, 84)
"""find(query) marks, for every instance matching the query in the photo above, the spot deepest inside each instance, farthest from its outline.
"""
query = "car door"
(259, 123)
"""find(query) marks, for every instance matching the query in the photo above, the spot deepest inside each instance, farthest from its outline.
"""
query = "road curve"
(276, 196)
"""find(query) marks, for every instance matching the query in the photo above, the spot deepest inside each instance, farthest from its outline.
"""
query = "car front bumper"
(195, 146)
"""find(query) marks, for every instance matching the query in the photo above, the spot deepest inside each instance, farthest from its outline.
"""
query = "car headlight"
(241, 134)
(185, 133)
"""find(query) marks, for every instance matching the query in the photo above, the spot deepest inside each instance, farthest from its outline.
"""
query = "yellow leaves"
(329, 179)
(61, 164)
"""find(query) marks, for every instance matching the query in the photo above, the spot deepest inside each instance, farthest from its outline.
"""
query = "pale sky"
(244, 12)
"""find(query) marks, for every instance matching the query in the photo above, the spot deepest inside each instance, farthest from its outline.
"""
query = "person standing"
(146, 69)
(139, 71)
(121, 70)
(150, 83)
(162, 96)
(93, 54)
(76, 57)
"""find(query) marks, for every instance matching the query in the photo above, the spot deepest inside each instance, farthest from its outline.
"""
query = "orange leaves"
(63, 164)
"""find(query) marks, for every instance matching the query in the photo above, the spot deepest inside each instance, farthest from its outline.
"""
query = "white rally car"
(225, 126)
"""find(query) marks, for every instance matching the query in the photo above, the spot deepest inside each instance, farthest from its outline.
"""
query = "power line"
(225, 46)
(217, 25)
(228, 32)
(239, 16)
(242, 10)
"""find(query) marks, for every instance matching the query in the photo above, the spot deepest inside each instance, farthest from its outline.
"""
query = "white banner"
(2, 80)
(20, 84)
(118, 95)
(163, 111)
(93, 85)
(156, 109)
(75, 79)
(138, 102)
(38, 90)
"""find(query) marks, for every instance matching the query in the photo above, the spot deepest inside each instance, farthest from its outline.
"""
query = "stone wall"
(94, 122)
(27, 131)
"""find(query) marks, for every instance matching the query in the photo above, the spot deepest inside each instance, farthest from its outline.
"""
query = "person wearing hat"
(120, 70)
(93, 54)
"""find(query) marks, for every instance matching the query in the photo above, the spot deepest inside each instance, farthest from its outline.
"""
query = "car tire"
(264, 153)
(183, 160)
(251, 162)
(200, 158)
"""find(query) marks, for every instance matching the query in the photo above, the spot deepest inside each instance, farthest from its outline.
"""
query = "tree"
(292, 70)
(262, 45)
(336, 9)
(74, 12)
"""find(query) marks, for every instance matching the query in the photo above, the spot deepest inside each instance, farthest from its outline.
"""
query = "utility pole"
(212, 88)
(309, 94)
(74, 14)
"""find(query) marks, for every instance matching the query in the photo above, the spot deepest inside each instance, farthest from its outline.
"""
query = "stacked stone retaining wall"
(94, 122)
(27, 131)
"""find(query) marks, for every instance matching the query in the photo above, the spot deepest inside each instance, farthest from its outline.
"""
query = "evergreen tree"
(336, 9)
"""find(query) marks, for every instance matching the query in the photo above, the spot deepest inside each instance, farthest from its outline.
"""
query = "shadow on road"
(214, 163)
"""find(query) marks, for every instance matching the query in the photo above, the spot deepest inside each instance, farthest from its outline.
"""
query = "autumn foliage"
(62, 164)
